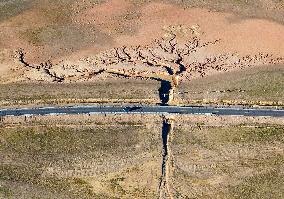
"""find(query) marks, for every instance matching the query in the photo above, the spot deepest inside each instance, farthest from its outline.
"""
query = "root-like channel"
(164, 188)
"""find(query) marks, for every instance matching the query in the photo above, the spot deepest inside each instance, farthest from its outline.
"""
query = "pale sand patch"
(246, 37)
(105, 16)
(5, 59)
(105, 11)
(4, 69)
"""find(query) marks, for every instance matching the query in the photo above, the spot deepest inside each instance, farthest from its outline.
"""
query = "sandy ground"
(245, 36)
(84, 29)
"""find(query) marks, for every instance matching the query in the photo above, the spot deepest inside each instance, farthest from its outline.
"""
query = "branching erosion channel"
(167, 130)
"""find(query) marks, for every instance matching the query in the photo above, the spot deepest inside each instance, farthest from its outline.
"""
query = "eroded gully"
(167, 133)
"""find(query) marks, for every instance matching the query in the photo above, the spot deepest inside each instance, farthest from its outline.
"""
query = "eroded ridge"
(162, 60)
(168, 60)
(165, 188)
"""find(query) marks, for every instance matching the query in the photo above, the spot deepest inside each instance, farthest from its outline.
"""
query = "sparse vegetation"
(11, 8)
(241, 161)
(109, 54)
(262, 185)
(41, 154)
(69, 187)
(61, 141)
(30, 93)
(253, 84)
(5, 192)
(233, 88)
(57, 12)
(38, 36)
